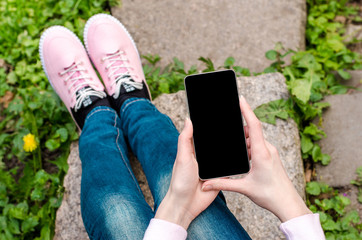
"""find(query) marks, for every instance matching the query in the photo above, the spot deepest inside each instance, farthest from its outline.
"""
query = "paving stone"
(69, 223)
(216, 29)
(342, 123)
(259, 223)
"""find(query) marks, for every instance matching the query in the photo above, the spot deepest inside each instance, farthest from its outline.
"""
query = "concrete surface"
(217, 29)
(342, 123)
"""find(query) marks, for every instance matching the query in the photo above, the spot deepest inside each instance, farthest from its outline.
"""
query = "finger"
(185, 143)
(246, 131)
(248, 142)
(272, 149)
(254, 125)
(234, 185)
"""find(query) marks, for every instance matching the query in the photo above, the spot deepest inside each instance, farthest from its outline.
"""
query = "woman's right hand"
(267, 184)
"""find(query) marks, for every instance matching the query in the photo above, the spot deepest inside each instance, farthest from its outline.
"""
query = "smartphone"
(219, 139)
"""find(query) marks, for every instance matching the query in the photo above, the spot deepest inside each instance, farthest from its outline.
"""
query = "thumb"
(234, 185)
(185, 142)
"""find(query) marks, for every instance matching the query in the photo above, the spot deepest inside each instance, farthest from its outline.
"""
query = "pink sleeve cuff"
(163, 230)
(306, 227)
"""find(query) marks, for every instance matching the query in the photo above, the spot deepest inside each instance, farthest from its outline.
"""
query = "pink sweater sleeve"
(162, 230)
(306, 227)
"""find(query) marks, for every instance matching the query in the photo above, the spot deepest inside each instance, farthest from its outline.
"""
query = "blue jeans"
(112, 204)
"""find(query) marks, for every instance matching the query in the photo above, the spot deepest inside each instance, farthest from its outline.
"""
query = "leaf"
(52, 144)
(13, 226)
(242, 71)
(229, 62)
(12, 78)
(338, 89)
(301, 89)
(19, 211)
(322, 217)
(329, 225)
(37, 194)
(55, 202)
(3, 224)
(345, 200)
(270, 70)
(63, 133)
(314, 132)
(209, 65)
(335, 44)
(16, 106)
(344, 74)
(313, 188)
(348, 58)
(326, 159)
(164, 87)
(179, 65)
(152, 59)
(28, 224)
(307, 61)
(45, 232)
(271, 55)
(306, 143)
(316, 153)
(271, 110)
(41, 177)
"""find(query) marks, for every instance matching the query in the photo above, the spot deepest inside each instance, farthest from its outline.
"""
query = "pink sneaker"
(114, 54)
(70, 73)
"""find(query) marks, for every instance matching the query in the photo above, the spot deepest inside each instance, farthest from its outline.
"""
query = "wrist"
(170, 210)
(291, 206)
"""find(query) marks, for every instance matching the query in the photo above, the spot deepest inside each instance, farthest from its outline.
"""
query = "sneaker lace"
(120, 71)
(79, 81)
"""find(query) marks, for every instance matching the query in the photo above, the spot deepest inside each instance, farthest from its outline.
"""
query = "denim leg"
(112, 203)
(153, 139)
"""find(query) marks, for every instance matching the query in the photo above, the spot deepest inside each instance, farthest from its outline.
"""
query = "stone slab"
(69, 223)
(217, 29)
(259, 223)
(342, 123)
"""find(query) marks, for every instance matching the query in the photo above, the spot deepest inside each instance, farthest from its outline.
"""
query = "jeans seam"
(98, 110)
(120, 151)
(133, 101)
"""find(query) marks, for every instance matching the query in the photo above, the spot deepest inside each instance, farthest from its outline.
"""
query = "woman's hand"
(267, 183)
(185, 200)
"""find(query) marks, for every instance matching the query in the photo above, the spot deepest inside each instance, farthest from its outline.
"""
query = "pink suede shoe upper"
(67, 66)
(112, 51)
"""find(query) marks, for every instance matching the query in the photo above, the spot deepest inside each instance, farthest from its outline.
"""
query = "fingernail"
(187, 121)
(206, 188)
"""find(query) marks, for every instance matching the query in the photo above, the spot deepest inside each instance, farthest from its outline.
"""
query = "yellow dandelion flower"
(30, 143)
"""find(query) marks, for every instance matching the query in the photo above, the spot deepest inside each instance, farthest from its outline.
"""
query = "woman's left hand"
(185, 199)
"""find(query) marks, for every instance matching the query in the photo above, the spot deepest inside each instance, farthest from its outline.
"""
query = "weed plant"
(30, 195)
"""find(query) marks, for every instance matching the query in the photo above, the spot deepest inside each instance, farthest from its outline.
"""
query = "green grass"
(29, 195)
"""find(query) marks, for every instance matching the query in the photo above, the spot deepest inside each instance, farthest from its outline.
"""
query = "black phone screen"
(219, 139)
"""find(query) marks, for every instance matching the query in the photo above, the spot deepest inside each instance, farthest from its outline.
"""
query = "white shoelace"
(77, 85)
(120, 77)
